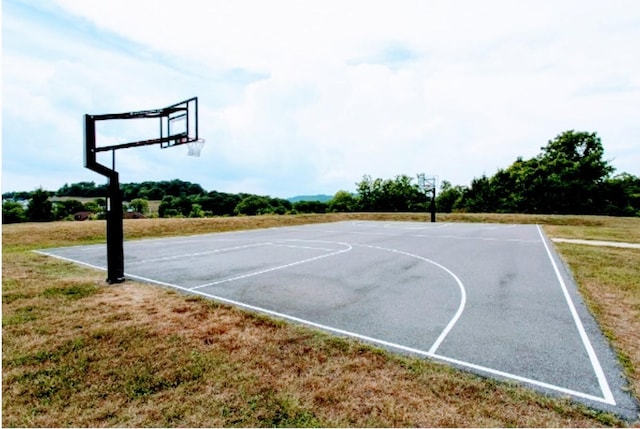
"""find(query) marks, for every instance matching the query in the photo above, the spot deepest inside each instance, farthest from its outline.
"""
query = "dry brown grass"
(609, 279)
(622, 229)
(79, 353)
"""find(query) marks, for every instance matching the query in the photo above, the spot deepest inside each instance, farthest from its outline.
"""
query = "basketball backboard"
(178, 125)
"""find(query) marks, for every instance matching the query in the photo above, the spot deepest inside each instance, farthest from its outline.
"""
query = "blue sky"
(307, 97)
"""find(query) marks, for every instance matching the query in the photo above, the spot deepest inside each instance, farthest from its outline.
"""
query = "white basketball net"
(195, 147)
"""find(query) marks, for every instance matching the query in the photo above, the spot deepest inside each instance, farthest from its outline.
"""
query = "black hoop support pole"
(432, 205)
(115, 234)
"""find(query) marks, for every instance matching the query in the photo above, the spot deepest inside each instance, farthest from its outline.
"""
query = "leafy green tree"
(171, 206)
(139, 205)
(155, 193)
(478, 198)
(196, 210)
(15, 196)
(448, 197)
(398, 194)
(621, 195)
(280, 205)
(40, 208)
(342, 201)
(569, 176)
(13, 212)
(368, 193)
(95, 206)
(253, 205)
(66, 208)
(82, 189)
(310, 206)
(573, 168)
(219, 203)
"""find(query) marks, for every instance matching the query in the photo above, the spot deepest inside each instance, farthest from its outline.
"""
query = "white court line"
(189, 255)
(279, 267)
(404, 226)
(499, 226)
(382, 342)
(292, 246)
(595, 363)
(523, 379)
(75, 261)
(435, 236)
(463, 293)
(461, 237)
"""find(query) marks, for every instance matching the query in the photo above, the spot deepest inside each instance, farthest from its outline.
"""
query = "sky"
(307, 97)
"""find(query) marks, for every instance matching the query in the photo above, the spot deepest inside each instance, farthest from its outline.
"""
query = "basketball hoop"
(195, 147)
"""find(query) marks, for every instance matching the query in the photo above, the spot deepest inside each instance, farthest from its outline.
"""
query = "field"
(77, 352)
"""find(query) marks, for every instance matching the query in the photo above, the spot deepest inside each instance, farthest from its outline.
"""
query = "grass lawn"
(77, 352)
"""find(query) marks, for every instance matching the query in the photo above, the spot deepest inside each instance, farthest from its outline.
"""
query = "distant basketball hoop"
(195, 147)
(428, 185)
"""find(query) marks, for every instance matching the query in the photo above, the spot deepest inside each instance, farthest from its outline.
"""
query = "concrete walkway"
(596, 243)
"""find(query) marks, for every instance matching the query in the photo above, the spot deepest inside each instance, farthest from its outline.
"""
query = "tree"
(573, 169)
(40, 208)
(397, 194)
(219, 203)
(368, 191)
(13, 212)
(448, 197)
(95, 206)
(62, 209)
(253, 205)
(342, 201)
(171, 206)
(279, 206)
(82, 189)
(621, 195)
(310, 206)
(196, 211)
(139, 205)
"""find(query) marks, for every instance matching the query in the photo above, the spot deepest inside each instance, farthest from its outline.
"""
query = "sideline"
(596, 242)
(595, 363)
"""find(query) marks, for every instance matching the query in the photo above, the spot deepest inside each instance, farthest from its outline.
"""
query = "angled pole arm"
(115, 229)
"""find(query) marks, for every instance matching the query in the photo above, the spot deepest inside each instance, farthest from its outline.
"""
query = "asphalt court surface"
(493, 299)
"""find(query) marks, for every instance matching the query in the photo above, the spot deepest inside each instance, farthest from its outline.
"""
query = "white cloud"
(306, 97)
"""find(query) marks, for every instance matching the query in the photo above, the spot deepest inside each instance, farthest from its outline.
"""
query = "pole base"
(116, 280)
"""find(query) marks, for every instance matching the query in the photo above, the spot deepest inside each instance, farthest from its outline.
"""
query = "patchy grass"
(610, 229)
(79, 353)
(609, 279)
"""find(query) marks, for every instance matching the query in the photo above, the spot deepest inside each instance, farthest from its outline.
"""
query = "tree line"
(569, 176)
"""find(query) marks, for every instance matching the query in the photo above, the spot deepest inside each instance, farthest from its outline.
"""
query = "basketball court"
(495, 300)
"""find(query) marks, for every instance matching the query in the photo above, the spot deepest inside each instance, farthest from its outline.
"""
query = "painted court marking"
(328, 249)
(279, 267)
(604, 385)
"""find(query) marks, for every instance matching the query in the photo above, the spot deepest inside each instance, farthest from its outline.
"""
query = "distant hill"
(321, 197)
